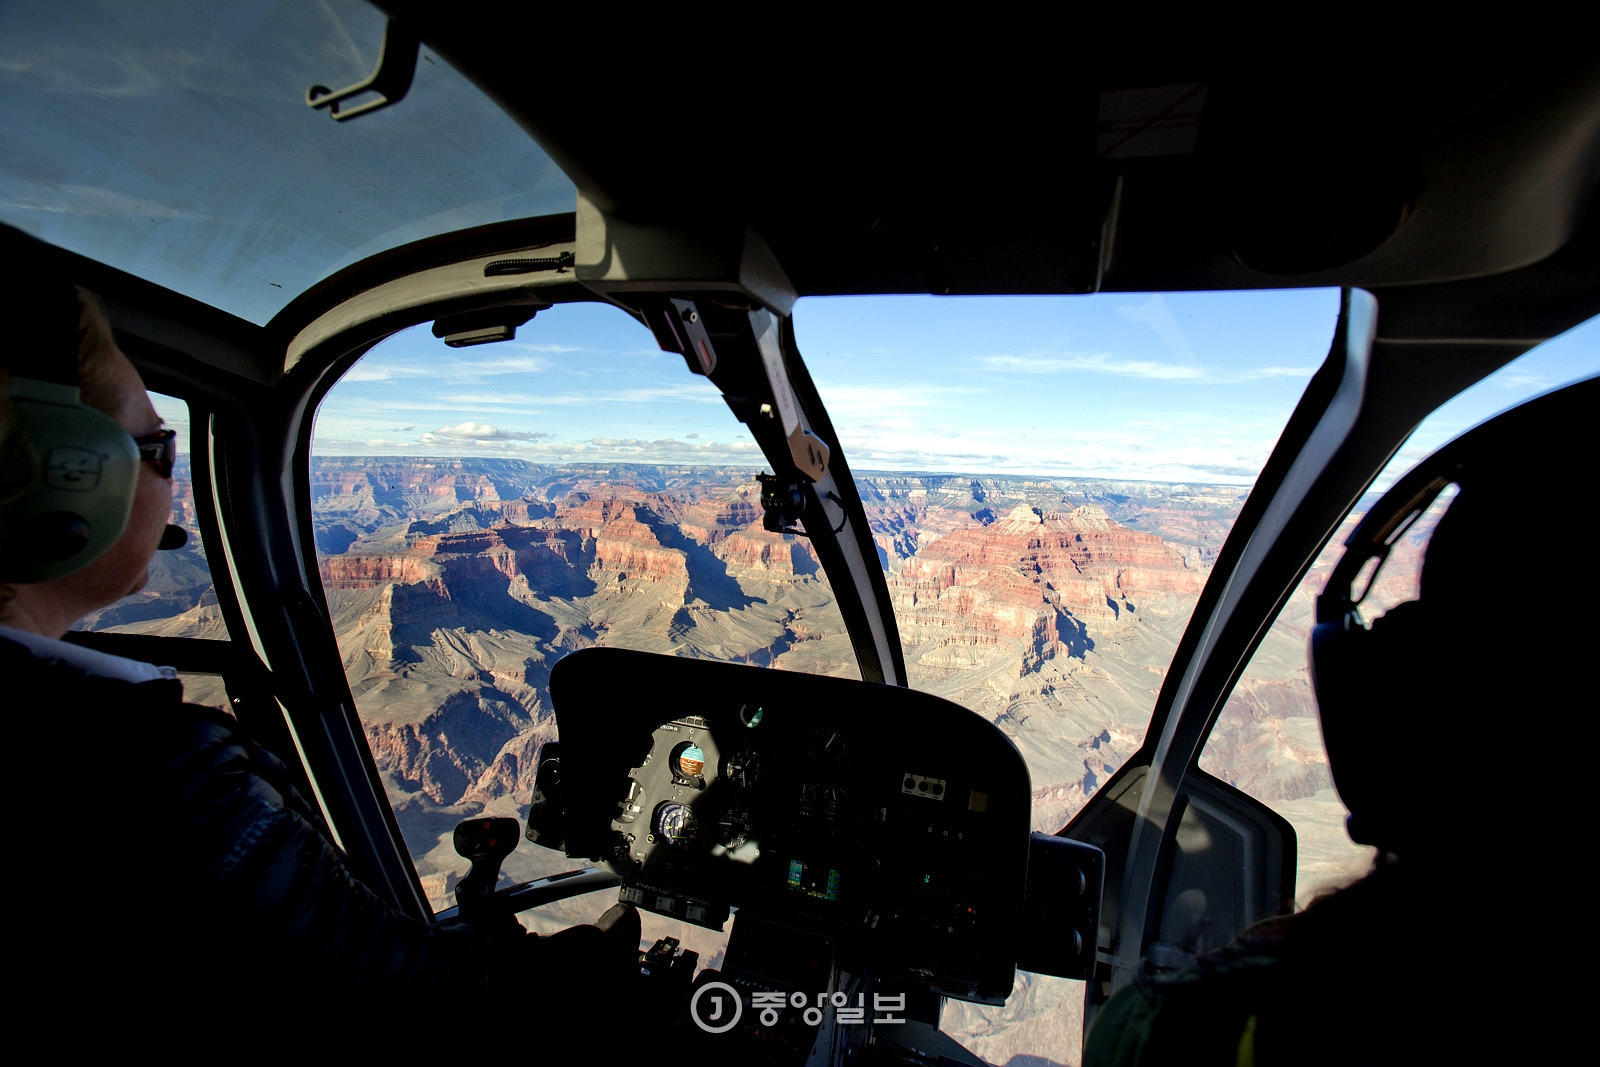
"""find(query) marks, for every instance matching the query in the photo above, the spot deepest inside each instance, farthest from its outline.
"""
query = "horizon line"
(902, 471)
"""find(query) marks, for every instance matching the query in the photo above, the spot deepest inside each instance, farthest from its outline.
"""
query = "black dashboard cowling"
(895, 822)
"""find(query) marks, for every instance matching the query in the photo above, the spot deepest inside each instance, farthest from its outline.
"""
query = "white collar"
(99, 664)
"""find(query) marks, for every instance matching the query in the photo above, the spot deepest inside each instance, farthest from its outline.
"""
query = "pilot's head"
(1449, 722)
(108, 383)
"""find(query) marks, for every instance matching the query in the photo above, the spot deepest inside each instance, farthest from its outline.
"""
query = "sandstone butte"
(437, 629)
(971, 590)
(1050, 606)
(1043, 579)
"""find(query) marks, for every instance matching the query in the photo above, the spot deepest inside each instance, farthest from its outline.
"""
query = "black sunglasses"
(159, 449)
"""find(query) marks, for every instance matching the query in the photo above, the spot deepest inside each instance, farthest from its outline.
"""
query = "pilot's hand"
(594, 957)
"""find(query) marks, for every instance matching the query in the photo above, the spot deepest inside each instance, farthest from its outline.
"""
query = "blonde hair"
(97, 350)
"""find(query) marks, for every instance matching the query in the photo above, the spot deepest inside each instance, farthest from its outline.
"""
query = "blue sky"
(582, 383)
(1170, 387)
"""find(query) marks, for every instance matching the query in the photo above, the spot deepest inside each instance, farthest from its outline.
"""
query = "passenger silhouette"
(172, 873)
(1445, 724)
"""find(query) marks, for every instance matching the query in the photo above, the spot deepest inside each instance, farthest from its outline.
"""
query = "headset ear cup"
(50, 537)
(1345, 707)
(82, 493)
(19, 465)
(1372, 689)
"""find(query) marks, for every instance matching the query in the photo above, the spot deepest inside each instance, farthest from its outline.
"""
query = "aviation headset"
(69, 471)
(1422, 678)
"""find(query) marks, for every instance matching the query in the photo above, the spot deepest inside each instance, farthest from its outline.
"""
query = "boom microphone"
(173, 537)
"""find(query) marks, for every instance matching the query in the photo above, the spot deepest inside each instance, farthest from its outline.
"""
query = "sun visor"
(618, 256)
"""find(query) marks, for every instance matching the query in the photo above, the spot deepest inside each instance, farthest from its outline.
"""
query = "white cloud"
(479, 431)
(478, 368)
(529, 346)
(1106, 363)
(92, 202)
(365, 371)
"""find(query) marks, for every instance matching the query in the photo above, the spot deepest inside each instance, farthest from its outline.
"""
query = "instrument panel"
(893, 821)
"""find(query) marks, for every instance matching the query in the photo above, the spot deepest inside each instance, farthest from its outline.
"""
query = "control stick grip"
(486, 842)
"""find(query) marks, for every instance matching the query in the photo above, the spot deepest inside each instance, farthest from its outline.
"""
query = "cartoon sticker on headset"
(72, 469)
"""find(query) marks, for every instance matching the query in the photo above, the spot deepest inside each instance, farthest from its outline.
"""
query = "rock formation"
(1050, 606)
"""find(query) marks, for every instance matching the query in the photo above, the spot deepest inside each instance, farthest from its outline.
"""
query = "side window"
(480, 513)
(1268, 740)
(179, 600)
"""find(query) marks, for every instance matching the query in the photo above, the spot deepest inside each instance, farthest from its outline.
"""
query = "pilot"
(1432, 720)
(165, 867)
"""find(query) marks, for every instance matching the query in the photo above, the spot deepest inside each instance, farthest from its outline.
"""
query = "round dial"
(733, 828)
(688, 759)
(828, 750)
(674, 824)
(742, 769)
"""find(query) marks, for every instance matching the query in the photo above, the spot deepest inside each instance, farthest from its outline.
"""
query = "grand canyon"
(1051, 606)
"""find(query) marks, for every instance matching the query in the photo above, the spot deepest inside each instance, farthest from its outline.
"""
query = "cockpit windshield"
(173, 140)
(1049, 480)
(482, 513)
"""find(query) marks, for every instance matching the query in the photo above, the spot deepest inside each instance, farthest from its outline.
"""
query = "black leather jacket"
(165, 857)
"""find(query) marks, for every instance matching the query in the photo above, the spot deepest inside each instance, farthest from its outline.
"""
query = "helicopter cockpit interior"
(821, 707)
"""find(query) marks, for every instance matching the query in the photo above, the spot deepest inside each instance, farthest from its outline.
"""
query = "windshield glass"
(172, 140)
(1050, 479)
(480, 513)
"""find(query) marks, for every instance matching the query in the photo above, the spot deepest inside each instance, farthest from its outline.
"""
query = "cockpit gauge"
(733, 828)
(689, 759)
(742, 769)
(688, 764)
(822, 808)
(828, 750)
(674, 824)
(751, 714)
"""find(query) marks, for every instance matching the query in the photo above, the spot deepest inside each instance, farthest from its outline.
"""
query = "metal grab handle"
(391, 80)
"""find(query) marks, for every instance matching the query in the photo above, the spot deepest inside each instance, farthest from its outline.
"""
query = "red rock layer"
(757, 550)
(369, 571)
(1018, 578)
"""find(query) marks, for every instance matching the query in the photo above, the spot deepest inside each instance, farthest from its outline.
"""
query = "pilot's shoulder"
(1200, 1016)
(75, 688)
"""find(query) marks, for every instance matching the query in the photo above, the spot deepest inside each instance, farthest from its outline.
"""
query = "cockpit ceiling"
(173, 150)
(928, 163)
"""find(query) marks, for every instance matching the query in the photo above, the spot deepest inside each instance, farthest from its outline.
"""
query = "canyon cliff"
(1050, 606)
